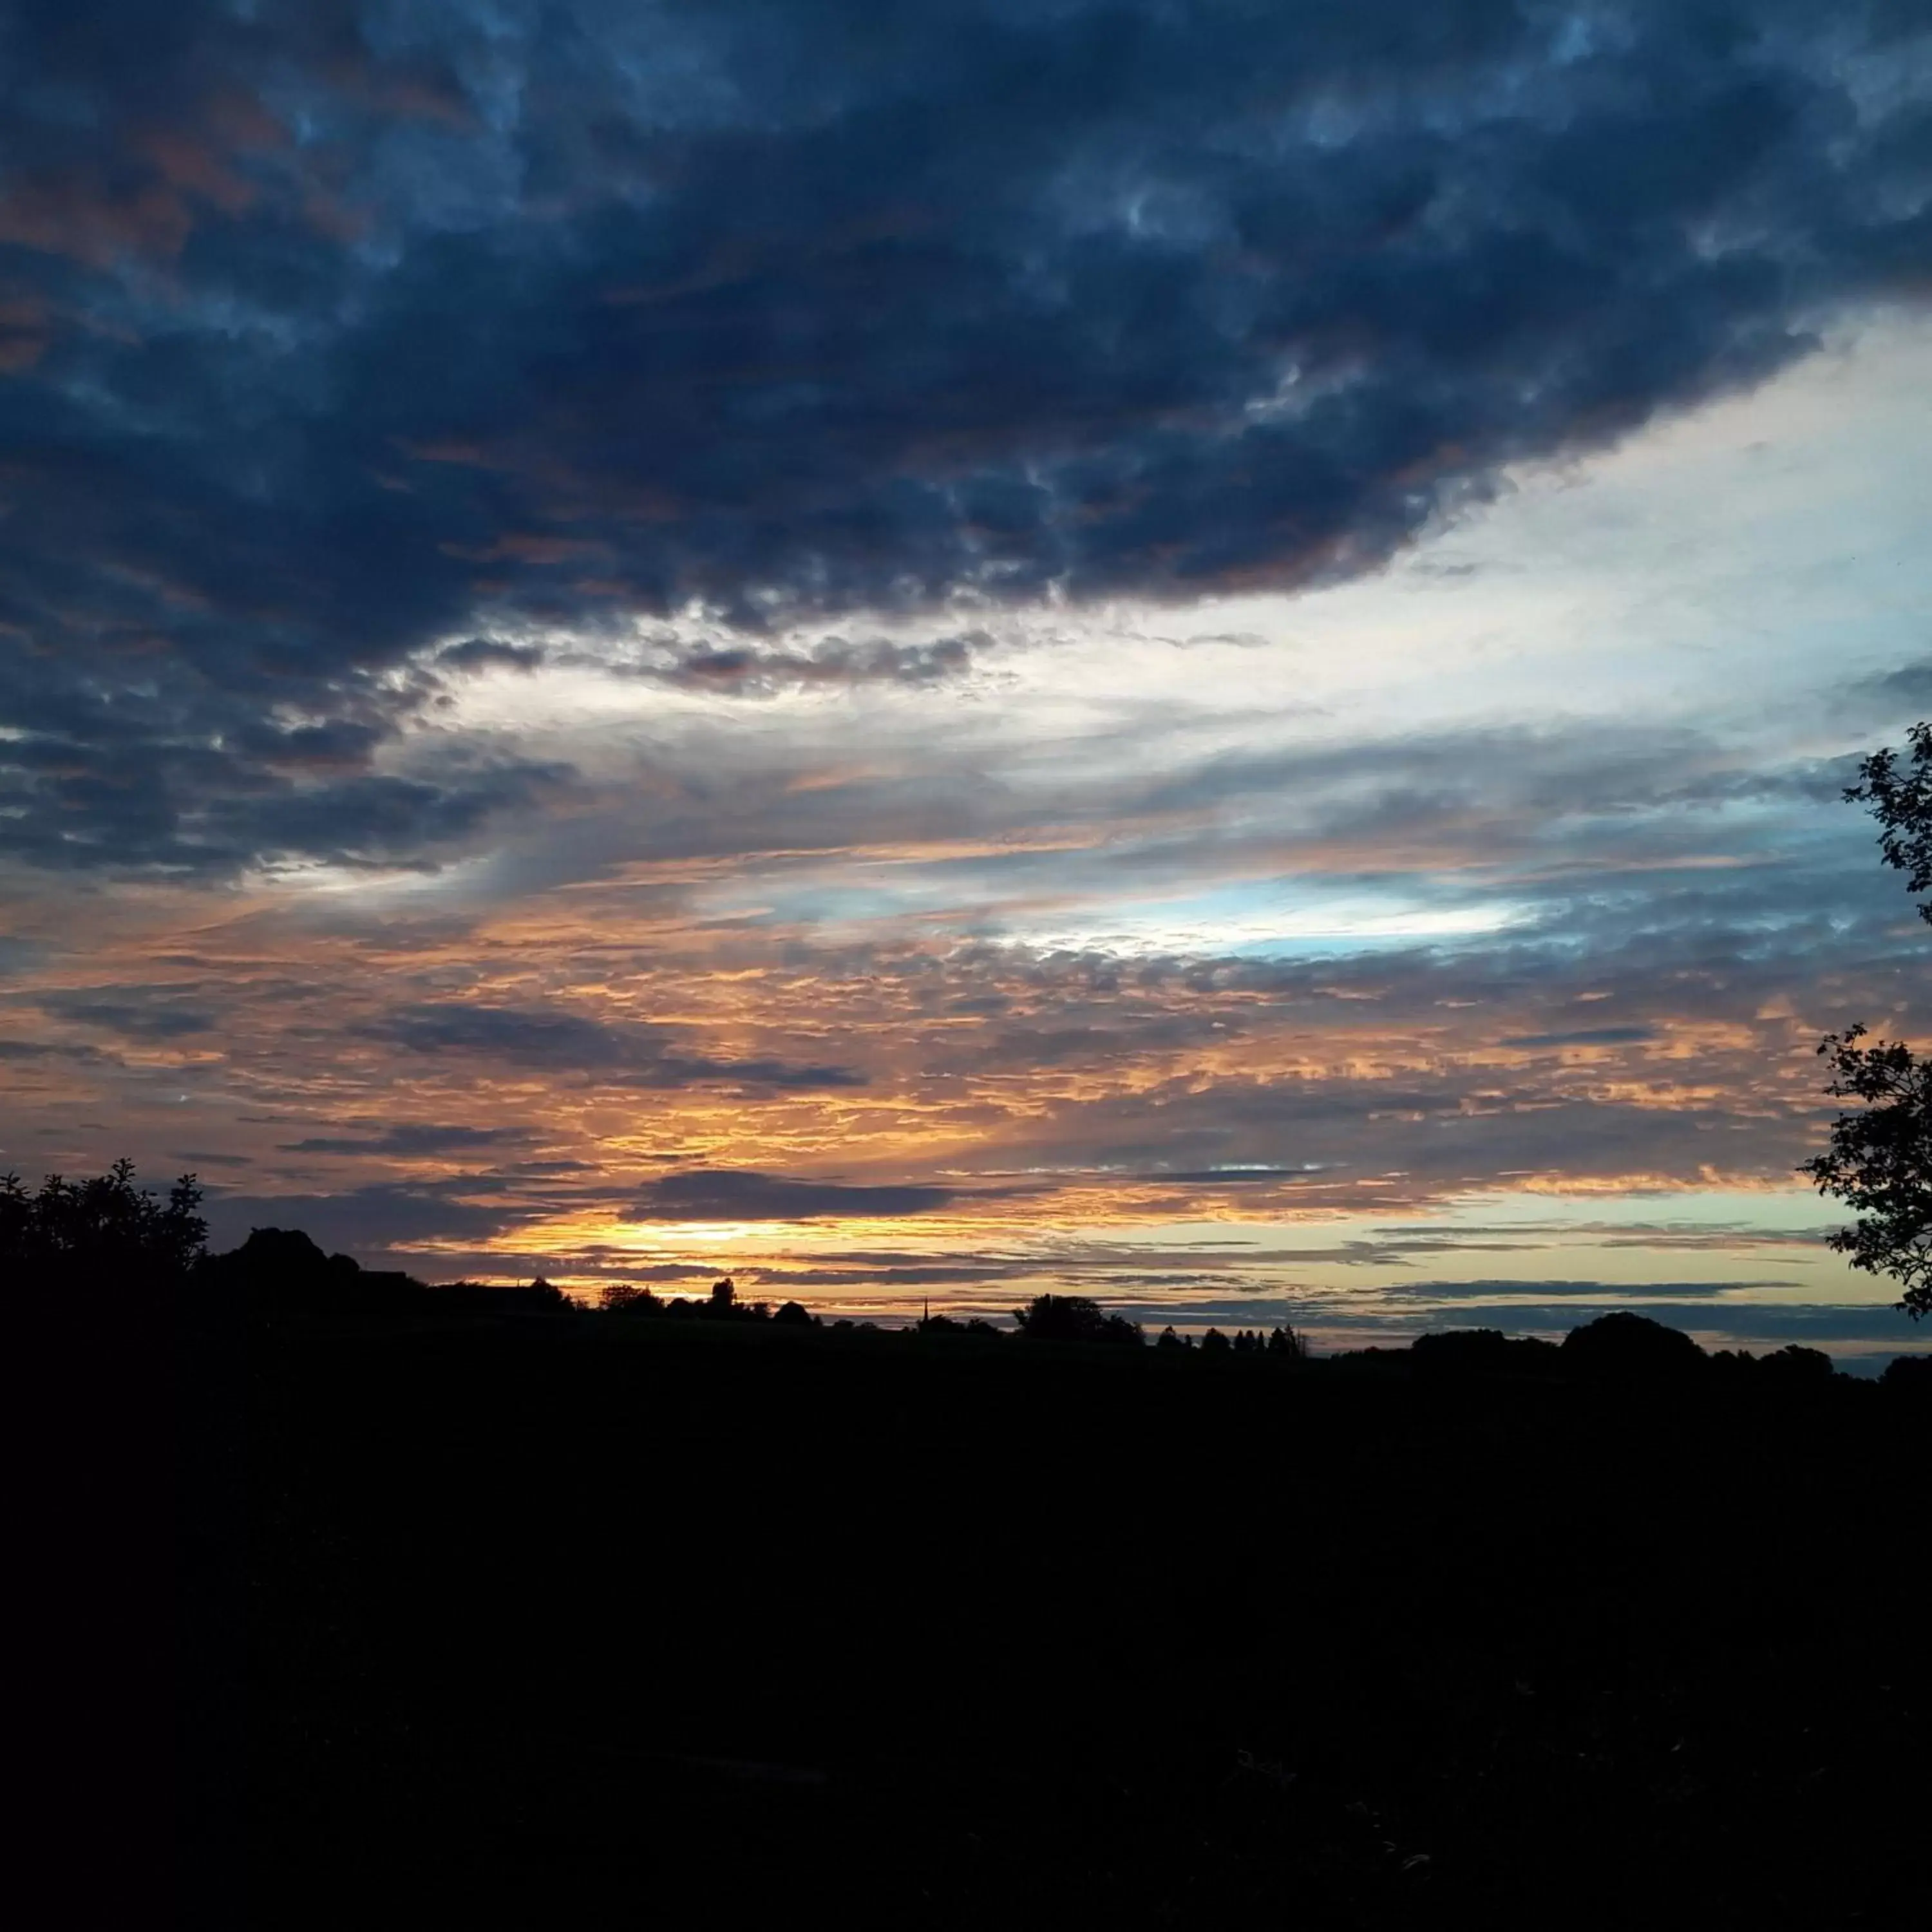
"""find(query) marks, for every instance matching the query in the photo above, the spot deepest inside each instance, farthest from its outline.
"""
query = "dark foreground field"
(542, 1624)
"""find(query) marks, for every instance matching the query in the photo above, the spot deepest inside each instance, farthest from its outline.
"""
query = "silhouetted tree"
(794, 1315)
(1169, 1340)
(1798, 1367)
(1074, 1318)
(1483, 1352)
(1911, 1372)
(1286, 1342)
(1879, 1162)
(622, 1298)
(1462, 1349)
(1215, 1342)
(1901, 800)
(102, 1232)
(1625, 1344)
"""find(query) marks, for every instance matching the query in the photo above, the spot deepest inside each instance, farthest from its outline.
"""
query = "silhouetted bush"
(102, 1233)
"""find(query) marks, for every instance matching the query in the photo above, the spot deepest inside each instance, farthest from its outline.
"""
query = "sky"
(1200, 653)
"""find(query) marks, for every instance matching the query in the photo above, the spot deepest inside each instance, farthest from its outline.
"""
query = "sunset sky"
(1204, 654)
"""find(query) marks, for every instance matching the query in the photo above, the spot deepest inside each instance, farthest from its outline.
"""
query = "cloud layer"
(1197, 652)
(335, 332)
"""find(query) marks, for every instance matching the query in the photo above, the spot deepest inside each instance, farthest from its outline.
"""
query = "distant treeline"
(107, 1235)
(279, 1272)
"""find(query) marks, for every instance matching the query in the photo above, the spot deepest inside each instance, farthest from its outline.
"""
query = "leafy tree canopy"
(1878, 1161)
(1625, 1344)
(1074, 1318)
(1900, 797)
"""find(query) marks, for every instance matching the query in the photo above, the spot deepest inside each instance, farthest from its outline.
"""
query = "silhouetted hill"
(565, 1619)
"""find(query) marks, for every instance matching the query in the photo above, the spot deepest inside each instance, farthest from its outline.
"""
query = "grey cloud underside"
(745, 670)
(333, 332)
(408, 1141)
(33, 1049)
(1504, 1292)
(1580, 823)
(1585, 1037)
(137, 1016)
(562, 1043)
(371, 1221)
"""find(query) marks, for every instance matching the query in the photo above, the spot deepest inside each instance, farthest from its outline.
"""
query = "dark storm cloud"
(190, 780)
(725, 1194)
(563, 1043)
(334, 330)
